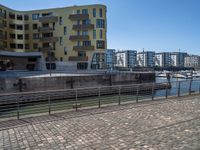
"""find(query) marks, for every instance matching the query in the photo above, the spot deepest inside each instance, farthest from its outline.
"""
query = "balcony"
(51, 59)
(78, 37)
(78, 58)
(45, 29)
(83, 27)
(49, 39)
(48, 19)
(85, 48)
(75, 17)
(2, 15)
(45, 49)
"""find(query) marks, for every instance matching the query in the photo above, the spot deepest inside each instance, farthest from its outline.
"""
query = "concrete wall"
(79, 81)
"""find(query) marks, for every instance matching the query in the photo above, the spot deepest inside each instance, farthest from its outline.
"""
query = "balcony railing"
(51, 59)
(83, 27)
(48, 19)
(74, 17)
(45, 29)
(78, 37)
(78, 58)
(43, 49)
(79, 48)
(49, 39)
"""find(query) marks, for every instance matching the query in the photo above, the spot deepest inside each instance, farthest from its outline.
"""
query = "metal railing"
(23, 104)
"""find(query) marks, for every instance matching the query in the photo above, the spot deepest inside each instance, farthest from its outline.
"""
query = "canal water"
(185, 86)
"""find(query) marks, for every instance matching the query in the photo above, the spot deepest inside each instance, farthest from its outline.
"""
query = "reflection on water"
(186, 85)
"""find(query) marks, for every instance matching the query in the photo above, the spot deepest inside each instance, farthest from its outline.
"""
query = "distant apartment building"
(146, 59)
(178, 59)
(110, 58)
(162, 59)
(126, 58)
(69, 37)
(192, 61)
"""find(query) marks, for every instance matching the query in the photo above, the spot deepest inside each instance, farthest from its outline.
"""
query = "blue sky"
(160, 25)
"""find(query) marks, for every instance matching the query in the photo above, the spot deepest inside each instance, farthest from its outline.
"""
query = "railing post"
(190, 87)
(166, 91)
(99, 94)
(119, 98)
(179, 87)
(152, 92)
(18, 107)
(137, 93)
(76, 105)
(49, 105)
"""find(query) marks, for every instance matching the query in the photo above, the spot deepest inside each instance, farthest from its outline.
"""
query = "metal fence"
(20, 105)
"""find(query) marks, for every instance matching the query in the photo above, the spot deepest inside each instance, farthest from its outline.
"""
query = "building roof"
(20, 54)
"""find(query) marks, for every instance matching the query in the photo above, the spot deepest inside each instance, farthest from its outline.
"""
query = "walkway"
(165, 124)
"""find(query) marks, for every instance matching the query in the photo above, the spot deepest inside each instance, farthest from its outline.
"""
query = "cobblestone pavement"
(167, 124)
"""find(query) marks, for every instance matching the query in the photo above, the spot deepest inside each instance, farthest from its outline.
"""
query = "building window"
(11, 16)
(61, 41)
(65, 50)
(12, 45)
(100, 12)
(100, 34)
(26, 17)
(60, 21)
(26, 36)
(12, 26)
(85, 32)
(100, 44)
(12, 36)
(81, 54)
(27, 46)
(86, 22)
(35, 16)
(85, 11)
(20, 46)
(100, 23)
(19, 27)
(35, 45)
(94, 34)
(20, 36)
(35, 26)
(36, 35)
(94, 12)
(86, 43)
(26, 26)
(65, 30)
(78, 11)
(61, 59)
(19, 17)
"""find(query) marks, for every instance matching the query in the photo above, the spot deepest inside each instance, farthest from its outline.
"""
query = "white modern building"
(192, 61)
(126, 58)
(146, 59)
(178, 59)
(162, 59)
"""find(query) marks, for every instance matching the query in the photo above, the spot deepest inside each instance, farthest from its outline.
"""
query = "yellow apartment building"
(59, 38)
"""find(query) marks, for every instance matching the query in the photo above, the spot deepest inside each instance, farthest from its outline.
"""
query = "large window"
(101, 34)
(12, 36)
(61, 41)
(35, 16)
(86, 22)
(85, 11)
(94, 34)
(65, 30)
(19, 27)
(86, 43)
(100, 12)
(94, 12)
(35, 26)
(20, 46)
(100, 23)
(20, 36)
(36, 35)
(81, 54)
(19, 17)
(100, 44)
(60, 21)
(85, 32)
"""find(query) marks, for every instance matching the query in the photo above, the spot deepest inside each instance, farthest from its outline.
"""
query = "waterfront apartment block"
(64, 38)
(146, 59)
(126, 58)
(178, 59)
(192, 61)
(162, 59)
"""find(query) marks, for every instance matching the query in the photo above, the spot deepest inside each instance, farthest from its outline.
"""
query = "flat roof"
(20, 54)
